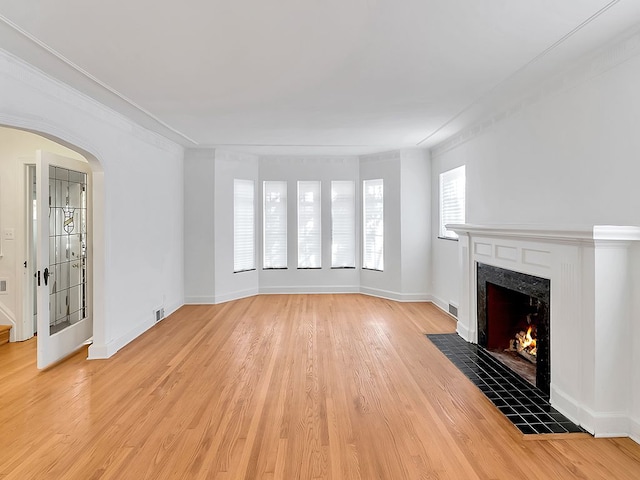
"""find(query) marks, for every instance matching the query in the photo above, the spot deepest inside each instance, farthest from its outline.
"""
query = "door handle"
(46, 276)
(37, 275)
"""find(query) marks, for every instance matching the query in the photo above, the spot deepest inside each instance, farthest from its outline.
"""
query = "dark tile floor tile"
(540, 428)
(572, 427)
(526, 429)
(557, 428)
(520, 408)
(529, 417)
(507, 410)
(524, 405)
(544, 418)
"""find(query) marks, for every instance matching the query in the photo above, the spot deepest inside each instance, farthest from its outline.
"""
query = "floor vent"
(159, 314)
(453, 310)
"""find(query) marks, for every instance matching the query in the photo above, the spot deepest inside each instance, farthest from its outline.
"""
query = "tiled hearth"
(522, 403)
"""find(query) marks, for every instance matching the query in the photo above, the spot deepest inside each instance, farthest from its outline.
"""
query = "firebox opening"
(513, 310)
(512, 326)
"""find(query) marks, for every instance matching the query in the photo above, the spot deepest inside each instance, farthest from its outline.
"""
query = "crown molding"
(127, 115)
(612, 54)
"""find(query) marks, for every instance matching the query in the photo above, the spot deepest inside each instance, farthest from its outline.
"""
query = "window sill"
(276, 268)
(448, 238)
(372, 269)
(248, 270)
(343, 268)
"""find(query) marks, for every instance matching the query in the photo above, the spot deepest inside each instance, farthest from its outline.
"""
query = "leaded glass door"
(62, 279)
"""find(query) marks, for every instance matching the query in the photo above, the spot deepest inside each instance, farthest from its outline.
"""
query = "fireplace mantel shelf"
(552, 232)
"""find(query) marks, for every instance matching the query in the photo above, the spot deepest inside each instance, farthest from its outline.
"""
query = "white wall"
(445, 282)
(568, 158)
(415, 210)
(138, 182)
(229, 166)
(634, 428)
(291, 170)
(16, 148)
(387, 283)
(199, 241)
(209, 233)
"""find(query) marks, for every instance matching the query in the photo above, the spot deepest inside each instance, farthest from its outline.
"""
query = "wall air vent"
(453, 310)
(3, 286)
(159, 314)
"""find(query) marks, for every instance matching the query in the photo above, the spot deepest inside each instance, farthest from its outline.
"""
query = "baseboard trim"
(171, 309)
(207, 300)
(441, 304)
(599, 424)
(101, 352)
(463, 331)
(567, 406)
(97, 352)
(396, 296)
(634, 430)
(228, 297)
(607, 424)
(311, 289)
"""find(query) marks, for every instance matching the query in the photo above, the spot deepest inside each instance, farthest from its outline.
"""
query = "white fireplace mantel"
(592, 320)
(552, 233)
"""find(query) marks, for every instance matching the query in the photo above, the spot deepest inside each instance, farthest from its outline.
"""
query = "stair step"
(4, 334)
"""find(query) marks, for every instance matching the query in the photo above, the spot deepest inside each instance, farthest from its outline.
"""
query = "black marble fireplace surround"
(522, 285)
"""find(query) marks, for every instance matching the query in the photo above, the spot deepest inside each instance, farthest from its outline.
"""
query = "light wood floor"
(283, 387)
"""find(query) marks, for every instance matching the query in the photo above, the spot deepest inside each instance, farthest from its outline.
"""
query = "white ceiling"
(314, 76)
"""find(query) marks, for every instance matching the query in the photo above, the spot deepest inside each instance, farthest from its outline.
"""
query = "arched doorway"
(17, 157)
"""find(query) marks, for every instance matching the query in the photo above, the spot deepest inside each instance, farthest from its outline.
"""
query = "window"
(373, 224)
(343, 224)
(309, 229)
(452, 200)
(274, 233)
(243, 226)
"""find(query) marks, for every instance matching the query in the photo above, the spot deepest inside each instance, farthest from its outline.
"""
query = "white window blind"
(373, 224)
(309, 228)
(274, 225)
(452, 200)
(343, 224)
(243, 226)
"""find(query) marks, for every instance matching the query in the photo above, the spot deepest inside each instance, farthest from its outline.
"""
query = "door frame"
(28, 293)
(58, 134)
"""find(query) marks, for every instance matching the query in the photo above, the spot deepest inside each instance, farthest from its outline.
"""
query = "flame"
(528, 343)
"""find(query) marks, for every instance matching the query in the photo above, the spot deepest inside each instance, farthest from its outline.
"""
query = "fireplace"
(513, 321)
(592, 321)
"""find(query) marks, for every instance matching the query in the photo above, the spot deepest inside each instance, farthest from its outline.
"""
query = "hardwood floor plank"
(277, 387)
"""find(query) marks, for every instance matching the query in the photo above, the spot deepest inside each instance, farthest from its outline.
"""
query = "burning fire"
(525, 345)
(526, 342)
